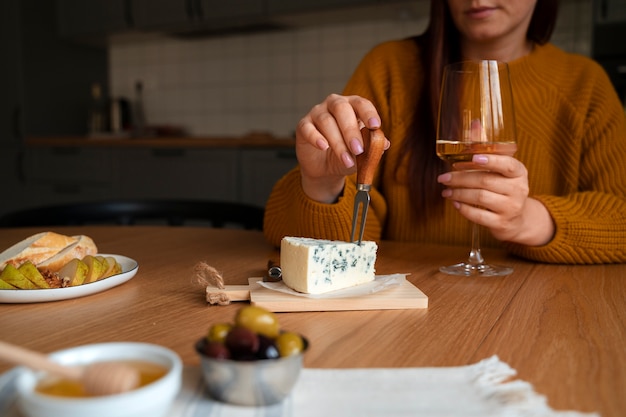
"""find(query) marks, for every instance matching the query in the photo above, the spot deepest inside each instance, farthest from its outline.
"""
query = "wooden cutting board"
(404, 296)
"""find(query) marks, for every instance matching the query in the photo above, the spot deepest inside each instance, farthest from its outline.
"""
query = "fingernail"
(356, 147)
(446, 193)
(322, 144)
(444, 178)
(480, 159)
(347, 160)
(456, 205)
(374, 123)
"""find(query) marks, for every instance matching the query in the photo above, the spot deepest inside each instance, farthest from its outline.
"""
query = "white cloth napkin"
(476, 390)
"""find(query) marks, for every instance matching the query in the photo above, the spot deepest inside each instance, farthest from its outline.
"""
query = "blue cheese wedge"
(317, 266)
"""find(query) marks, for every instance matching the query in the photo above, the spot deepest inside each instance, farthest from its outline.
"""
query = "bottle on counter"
(119, 116)
(138, 114)
(97, 118)
(115, 116)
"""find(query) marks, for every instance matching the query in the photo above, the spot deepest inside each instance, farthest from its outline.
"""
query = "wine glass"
(475, 116)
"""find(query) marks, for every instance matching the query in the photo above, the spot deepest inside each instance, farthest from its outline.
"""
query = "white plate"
(129, 269)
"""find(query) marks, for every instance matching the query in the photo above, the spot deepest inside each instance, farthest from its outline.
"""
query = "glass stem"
(475, 257)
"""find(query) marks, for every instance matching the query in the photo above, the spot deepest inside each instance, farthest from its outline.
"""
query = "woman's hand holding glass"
(492, 191)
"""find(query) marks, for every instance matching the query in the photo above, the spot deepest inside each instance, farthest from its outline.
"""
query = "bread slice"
(36, 248)
(83, 246)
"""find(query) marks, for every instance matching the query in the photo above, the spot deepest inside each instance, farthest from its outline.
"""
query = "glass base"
(466, 269)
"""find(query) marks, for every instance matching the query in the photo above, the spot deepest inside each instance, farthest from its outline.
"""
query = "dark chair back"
(131, 212)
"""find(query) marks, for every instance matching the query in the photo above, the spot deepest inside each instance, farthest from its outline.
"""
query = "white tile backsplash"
(267, 81)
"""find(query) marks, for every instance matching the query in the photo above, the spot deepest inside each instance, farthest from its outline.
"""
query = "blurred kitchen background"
(197, 98)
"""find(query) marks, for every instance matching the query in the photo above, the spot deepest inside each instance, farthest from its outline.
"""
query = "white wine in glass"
(475, 117)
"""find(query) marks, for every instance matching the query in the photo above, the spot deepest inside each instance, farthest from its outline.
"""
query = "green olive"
(289, 343)
(259, 320)
(218, 332)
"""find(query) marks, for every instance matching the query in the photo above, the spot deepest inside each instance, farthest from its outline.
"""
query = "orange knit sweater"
(571, 134)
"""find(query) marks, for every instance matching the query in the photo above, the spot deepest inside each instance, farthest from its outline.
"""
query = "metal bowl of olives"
(250, 362)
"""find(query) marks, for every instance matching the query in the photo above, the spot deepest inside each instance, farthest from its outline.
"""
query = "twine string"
(210, 277)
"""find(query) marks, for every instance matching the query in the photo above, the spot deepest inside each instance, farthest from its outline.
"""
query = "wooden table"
(563, 328)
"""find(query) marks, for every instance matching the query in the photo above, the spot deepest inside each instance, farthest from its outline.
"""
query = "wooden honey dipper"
(99, 378)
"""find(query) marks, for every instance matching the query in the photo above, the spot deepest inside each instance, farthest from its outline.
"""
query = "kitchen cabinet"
(220, 15)
(609, 11)
(92, 18)
(608, 45)
(65, 174)
(307, 13)
(13, 193)
(215, 9)
(56, 75)
(45, 84)
(304, 6)
(68, 165)
(158, 14)
(10, 70)
(68, 174)
(609, 29)
(605, 44)
(107, 21)
(189, 15)
(179, 173)
(260, 169)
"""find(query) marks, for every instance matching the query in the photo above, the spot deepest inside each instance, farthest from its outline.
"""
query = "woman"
(561, 198)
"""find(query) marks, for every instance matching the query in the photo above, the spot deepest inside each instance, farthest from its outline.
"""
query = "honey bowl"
(160, 371)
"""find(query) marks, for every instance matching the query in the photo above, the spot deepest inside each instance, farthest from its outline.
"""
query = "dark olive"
(267, 348)
(242, 343)
(216, 350)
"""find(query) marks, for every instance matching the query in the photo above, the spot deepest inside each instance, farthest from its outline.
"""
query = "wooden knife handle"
(373, 148)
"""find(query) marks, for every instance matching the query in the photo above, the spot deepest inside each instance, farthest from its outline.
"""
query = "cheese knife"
(366, 163)
(274, 272)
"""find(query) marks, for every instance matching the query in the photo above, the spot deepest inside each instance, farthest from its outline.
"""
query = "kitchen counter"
(241, 169)
(247, 141)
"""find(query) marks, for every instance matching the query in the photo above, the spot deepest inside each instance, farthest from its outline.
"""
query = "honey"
(63, 387)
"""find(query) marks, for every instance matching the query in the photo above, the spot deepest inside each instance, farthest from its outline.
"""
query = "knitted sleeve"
(591, 218)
